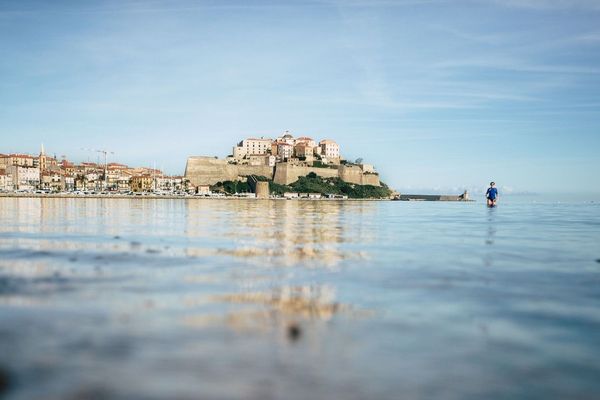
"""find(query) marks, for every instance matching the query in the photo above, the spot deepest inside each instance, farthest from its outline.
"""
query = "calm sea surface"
(216, 299)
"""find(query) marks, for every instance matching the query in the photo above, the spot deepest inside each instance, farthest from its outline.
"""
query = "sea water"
(250, 299)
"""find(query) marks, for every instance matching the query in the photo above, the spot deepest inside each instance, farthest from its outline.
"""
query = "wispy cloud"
(517, 65)
(549, 4)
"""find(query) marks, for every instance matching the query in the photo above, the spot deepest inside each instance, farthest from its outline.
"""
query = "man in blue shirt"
(492, 195)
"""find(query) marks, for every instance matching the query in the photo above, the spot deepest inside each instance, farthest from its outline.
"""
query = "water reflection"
(285, 232)
(299, 299)
(90, 241)
(490, 237)
(275, 307)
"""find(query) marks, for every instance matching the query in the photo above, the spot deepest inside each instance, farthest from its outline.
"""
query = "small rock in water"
(117, 237)
(294, 331)
(598, 260)
(4, 381)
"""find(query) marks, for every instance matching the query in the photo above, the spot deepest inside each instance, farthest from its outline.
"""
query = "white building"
(5, 181)
(24, 178)
(252, 146)
(286, 138)
(69, 183)
(285, 150)
(169, 183)
(329, 149)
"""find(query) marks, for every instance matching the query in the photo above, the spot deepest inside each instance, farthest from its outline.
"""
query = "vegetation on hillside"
(312, 183)
(231, 187)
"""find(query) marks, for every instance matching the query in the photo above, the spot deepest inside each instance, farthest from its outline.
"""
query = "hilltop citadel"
(282, 160)
(279, 165)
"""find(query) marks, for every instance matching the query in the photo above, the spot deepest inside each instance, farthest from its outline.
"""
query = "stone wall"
(354, 174)
(258, 170)
(262, 190)
(286, 173)
(210, 170)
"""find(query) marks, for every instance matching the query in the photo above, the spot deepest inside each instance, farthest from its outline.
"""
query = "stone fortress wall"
(355, 174)
(210, 170)
(286, 173)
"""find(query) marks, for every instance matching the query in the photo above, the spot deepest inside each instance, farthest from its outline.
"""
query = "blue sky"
(438, 94)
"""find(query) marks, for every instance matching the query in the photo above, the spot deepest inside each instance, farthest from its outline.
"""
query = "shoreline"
(158, 197)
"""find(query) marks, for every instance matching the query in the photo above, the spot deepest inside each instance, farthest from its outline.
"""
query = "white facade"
(6, 182)
(92, 177)
(169, 183)
(252, 146)
(24, 177)
(69, 183)
(285, 150)
(286, 138)
(329, 148)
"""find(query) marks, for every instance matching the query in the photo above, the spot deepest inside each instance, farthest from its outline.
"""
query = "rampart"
(210, 170)
(286, 173)
(354, 174)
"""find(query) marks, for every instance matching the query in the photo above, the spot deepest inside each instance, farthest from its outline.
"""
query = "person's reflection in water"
(490, 238)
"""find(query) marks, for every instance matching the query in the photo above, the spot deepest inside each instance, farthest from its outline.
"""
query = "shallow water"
(203, 299)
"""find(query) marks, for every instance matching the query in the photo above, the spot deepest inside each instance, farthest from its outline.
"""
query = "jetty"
(434, 197)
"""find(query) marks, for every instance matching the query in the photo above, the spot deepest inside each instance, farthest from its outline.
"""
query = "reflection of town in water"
(317, 299)
(51, 244)
(281, 232)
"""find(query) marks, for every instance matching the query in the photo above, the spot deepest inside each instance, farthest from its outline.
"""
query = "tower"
(42, 159)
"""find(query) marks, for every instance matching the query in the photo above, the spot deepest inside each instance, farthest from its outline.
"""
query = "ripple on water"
(375, 300)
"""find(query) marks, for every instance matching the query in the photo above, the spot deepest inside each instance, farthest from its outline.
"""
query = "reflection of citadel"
(283, 232)
(289, 232)
(274, 307)
(72, 244)
(311, 302)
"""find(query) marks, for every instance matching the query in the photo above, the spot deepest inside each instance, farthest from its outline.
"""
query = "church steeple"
(42, 159)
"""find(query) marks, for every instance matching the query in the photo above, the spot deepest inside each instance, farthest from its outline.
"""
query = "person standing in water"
(492, 194)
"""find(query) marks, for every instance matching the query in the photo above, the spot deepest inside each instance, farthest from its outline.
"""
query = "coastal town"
(284, 167)
(26, 173)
